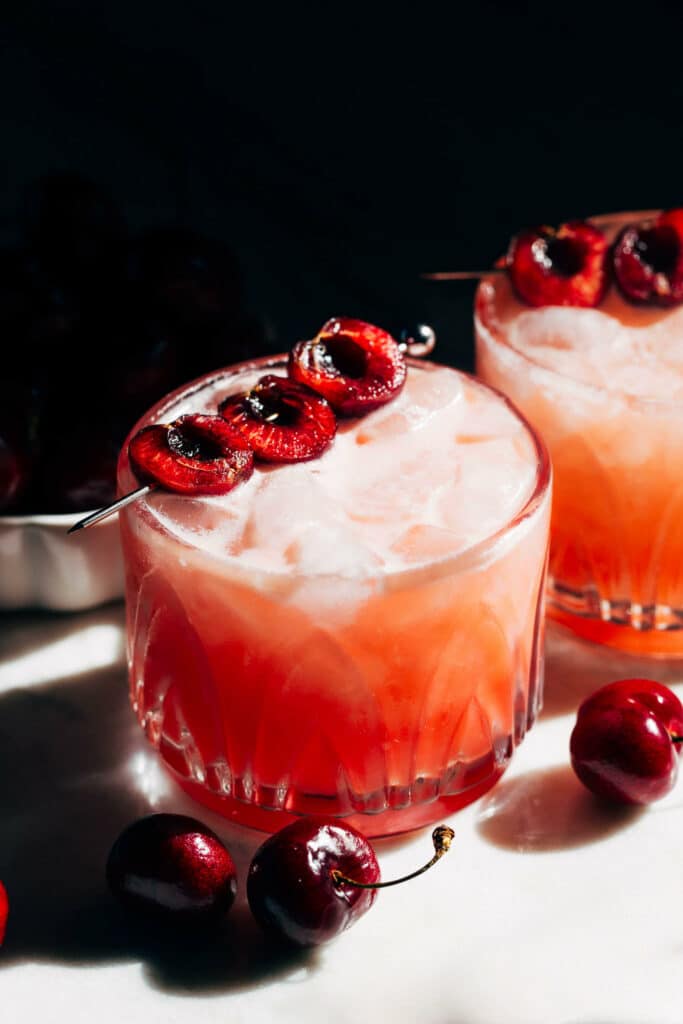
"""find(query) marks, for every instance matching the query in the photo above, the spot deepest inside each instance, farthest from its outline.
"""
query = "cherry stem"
(442, 837)
(461, 275)
(108, 510)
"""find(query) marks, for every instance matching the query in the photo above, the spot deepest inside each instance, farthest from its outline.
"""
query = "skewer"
(461, 275)
(419, 342)
(108, 510)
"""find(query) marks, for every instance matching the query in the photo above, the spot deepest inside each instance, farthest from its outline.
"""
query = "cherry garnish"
(282, 421)
(4, 912)
(357, 367)
(195, 454)
(648, 260)
(624, 746)
(566, 266)
(172, 867)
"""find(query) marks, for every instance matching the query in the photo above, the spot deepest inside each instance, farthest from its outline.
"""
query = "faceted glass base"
(655, 630)
(375, 826)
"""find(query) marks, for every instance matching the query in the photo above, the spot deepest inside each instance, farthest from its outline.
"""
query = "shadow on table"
(548, 809)
(74, 770)
(575, 668)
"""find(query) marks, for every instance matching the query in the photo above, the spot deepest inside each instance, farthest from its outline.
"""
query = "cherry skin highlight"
(622, 746)
(291, 889)
(172, 868)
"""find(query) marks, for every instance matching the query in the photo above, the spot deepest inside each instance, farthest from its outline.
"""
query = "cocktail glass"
(387, 698)
(604, 389)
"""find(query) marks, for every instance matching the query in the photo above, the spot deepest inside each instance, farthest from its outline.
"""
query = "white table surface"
(548, 908)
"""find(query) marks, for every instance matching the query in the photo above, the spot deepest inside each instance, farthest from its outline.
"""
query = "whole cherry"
(316, 877)
(624, 743)
(4, 912)
(172, 867)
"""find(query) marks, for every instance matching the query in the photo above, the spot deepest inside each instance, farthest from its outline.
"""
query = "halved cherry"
(282, 421)
(648, 260)
(566, 266)
(355, 366)
(195, 454)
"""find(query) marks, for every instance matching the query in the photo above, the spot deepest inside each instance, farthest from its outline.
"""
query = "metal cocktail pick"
(460, 275)
(108, 510)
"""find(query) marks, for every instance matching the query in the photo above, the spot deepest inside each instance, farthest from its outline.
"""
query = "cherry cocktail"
(587, 340)
(357, 634)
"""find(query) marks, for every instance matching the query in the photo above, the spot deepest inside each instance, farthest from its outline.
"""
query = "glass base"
(655, 630)
(374, 826)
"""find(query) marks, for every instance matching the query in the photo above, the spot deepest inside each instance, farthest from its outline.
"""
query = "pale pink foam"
(444, 465)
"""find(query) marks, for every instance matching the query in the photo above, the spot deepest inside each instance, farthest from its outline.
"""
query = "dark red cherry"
(14, 473)
(566, 266)
(171, 867)
(355, 366)
(648, 260)
(194, 454)
(282, 421)
(622, 746)
(4, 912)
(291, 888)
(655, 696)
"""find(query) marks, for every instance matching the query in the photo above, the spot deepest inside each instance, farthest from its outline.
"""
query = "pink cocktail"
(604, 387)
(358, 635)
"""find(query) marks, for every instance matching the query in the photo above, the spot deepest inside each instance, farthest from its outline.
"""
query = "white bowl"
(43, 566)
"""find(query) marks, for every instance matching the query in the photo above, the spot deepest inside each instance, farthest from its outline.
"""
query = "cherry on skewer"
(564, 266)
(275, 421)
(195, 454)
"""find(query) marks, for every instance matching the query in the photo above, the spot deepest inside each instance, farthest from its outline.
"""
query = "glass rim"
(464, 559)
(498, 336)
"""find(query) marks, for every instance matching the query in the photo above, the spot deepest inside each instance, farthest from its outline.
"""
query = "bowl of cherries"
(98, 323)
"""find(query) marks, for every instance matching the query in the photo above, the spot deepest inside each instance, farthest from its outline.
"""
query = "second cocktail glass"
(604, 387)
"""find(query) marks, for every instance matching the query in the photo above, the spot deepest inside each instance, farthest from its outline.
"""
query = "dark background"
(339, 153)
